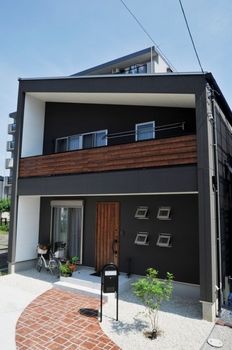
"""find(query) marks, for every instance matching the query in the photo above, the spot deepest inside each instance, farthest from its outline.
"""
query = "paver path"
(61, 320)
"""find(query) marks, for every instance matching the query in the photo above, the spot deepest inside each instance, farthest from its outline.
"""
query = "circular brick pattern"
(53, 321)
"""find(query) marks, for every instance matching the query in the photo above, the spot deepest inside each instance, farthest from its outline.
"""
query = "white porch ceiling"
(136, 99)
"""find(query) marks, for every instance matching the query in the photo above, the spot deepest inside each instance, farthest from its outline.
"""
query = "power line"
(191, 37)
(148, 35)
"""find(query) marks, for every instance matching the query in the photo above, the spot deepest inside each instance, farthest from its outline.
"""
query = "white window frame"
(139, 124)
(94, 133)
(69, 204)
(144, 236)
(164, 217)
(61, 138)
(166, 244)
(81, 139)
(143, 215)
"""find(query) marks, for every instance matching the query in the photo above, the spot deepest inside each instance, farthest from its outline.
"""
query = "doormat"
(98, 274)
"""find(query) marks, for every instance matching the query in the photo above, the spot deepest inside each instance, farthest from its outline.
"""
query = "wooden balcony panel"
(154, 152)
(158, 164)
(131, 159)
(126, 162)
(161, 142)
(146, 154)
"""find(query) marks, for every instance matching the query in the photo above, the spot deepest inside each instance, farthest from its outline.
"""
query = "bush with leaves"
(4, 206)
(4, 227)
(153, 291)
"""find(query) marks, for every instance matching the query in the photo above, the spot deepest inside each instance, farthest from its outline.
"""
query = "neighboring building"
(10, 147)
(1, 187)
(146, 61)
(4, 194)
(129, 168)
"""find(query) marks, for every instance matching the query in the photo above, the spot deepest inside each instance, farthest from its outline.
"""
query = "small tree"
(153, 291)
(4, 206)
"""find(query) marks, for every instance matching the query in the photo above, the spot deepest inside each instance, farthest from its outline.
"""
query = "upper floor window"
(136, 69)
(145, 131)
(80, 141)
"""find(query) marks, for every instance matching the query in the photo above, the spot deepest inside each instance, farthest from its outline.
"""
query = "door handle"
(115, 242)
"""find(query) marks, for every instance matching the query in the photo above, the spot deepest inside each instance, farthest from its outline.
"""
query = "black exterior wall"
(224, 148)
(73, 118)
(182, 259)
(159, 180)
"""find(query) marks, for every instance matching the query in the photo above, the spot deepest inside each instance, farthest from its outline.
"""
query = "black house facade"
(133, 169)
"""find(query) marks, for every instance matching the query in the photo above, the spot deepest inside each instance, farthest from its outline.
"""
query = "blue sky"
(61, 37)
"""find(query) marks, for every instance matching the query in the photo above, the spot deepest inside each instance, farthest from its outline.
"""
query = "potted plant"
(74, 260)
(65, 270)
(73, 263)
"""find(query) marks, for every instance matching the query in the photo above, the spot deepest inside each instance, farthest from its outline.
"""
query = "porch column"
(27, 231)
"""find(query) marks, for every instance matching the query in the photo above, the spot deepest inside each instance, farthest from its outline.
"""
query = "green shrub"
(4, 228)
(152, 291)
(4, 205)
(65, 270)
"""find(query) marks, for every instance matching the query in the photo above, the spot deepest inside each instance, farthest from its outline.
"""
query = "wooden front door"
(107, 233)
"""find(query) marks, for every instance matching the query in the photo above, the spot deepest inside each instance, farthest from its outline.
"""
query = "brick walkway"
(61, 320)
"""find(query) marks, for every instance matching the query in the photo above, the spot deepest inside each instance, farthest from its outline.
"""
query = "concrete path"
(16, 292)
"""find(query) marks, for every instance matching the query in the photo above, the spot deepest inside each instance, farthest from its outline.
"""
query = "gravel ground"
(180, 324)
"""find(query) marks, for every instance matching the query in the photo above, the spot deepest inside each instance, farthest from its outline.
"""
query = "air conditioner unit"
(10, 146)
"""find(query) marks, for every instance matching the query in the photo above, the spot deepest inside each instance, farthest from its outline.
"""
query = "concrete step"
(83, 281)
(76, 288)
(92, 282)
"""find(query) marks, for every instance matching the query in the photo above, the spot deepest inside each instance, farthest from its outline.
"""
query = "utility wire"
(148, 35)
(191, 37)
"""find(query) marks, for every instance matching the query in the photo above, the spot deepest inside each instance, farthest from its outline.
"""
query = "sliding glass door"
(67, 222)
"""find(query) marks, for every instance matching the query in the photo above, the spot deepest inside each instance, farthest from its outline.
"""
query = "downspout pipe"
(217, 203)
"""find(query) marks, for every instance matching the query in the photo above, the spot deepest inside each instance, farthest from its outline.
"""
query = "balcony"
(12, 115)
(10, 145)
(11, 128)
(9, 163)
(8, 181)
(145, 154)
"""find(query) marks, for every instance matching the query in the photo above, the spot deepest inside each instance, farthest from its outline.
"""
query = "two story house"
(128, 162)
